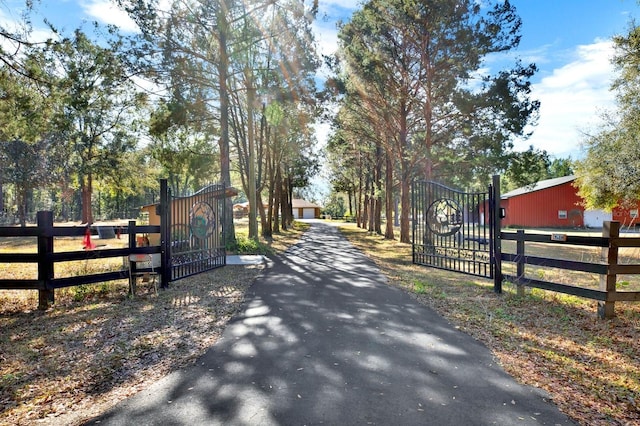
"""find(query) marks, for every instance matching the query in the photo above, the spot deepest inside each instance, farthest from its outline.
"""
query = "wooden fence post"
(45, 264)
(606, 309)
(132, 265)
(520, 264)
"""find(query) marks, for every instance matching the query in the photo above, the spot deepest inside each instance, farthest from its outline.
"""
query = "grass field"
(627, 255)
(28, 299)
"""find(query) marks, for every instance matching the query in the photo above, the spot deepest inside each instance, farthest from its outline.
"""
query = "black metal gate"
(453, 230)
(194, 241)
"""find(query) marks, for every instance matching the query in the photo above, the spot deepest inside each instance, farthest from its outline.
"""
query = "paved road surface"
(323, 340)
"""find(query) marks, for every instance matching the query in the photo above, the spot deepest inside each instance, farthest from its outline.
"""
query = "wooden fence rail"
(609, 269)
(46, 259)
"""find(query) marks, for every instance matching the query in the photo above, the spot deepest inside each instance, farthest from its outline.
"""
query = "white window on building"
(562, 214)
(633, 213)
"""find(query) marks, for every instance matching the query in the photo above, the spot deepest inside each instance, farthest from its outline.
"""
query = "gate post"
(414, 216)
(165, 238)
(606, 308)
(495, 231)
(45, 265)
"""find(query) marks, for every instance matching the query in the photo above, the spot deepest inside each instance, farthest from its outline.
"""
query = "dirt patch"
(76, 360)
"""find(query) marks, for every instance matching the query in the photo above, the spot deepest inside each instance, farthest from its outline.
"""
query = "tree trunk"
(267, 222)
(262, 213)
(365, 212)
(285, 205)
(376, 190)
(86, 190)
(289, 203)
(21, 201)
(277, 201)
(251, 167)
(396, 212)
(225, 165)
(359, 199)
(378, 216)
(405, 206)
(388, 204)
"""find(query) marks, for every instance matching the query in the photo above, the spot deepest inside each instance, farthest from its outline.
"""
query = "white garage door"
(308, 213)
(594, 218)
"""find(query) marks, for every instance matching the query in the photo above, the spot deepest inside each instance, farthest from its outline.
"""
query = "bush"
(245, 245)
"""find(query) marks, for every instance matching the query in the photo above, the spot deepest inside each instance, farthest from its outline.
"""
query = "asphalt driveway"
(323, 340)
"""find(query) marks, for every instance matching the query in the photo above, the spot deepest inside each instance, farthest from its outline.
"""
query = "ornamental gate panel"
(193, 231)
(453, 230)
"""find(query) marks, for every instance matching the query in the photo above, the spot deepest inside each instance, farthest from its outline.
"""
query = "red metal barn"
(627, 216)
(551, 203)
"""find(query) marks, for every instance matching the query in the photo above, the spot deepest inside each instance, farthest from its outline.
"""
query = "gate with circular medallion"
(452, 229)
(195, 232)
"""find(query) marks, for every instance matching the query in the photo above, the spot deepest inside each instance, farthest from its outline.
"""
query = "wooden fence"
(608, 269)
(46, 259)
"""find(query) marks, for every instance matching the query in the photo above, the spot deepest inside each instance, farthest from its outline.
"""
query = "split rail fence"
(607, 294)
(186, 235)
(46, 258)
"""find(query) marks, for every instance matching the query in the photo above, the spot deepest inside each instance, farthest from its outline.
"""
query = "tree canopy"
(609, 173)
(415, 102)
(215, 73)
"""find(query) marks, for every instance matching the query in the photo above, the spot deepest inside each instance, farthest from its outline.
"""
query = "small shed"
(304, 209)
(241, 210)
(181, 206)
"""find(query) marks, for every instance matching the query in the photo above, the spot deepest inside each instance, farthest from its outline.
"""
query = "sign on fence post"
(45, 264)
(606, 309)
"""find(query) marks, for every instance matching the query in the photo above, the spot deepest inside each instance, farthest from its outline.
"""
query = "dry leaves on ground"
(589, 366)
(74, 361)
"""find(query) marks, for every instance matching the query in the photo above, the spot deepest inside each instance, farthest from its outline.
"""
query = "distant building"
(305, 210)
(555, 203)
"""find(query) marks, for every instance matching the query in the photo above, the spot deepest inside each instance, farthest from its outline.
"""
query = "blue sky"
(569, 40)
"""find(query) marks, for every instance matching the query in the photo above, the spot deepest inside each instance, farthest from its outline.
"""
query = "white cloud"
(572, 97)
(107, 12)
(12, 22)
(329, 13)
(332, 5)
(326, 37)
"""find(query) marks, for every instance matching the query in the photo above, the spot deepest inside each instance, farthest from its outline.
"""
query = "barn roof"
(303, 204)
(538, 186)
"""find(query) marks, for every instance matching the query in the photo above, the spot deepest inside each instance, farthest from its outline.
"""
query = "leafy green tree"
(237, 54)
(95, 108)
(560, 167)
(416, 64)
(26, 166)
(608, 174)
(183, 145)
(335, 206)
(28, 146)
(526, 168)
(14, 41)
